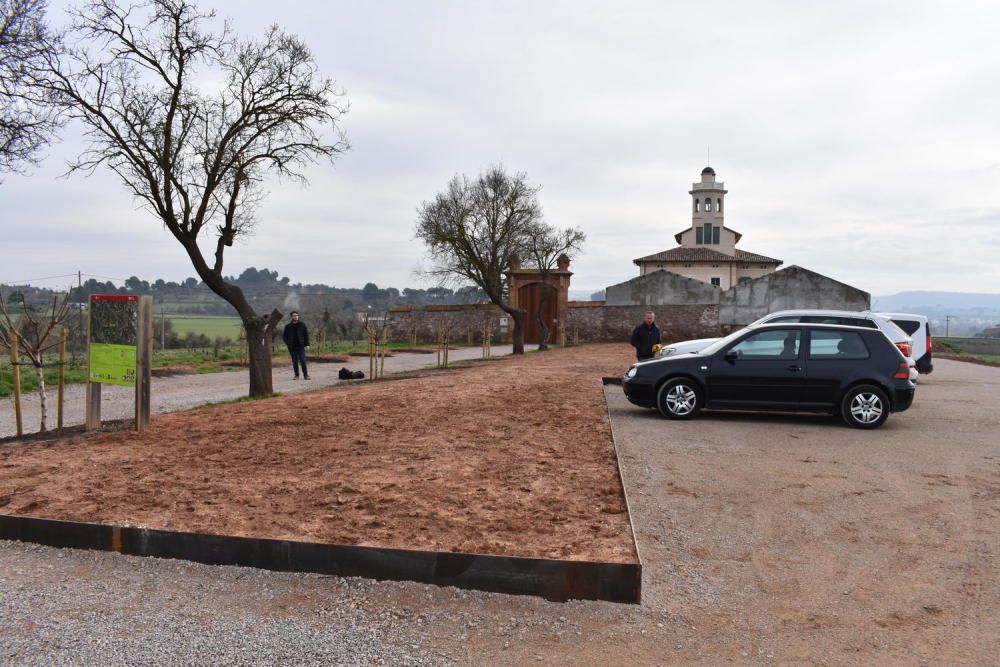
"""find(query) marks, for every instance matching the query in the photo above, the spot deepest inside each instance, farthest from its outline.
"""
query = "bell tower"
(707, 208)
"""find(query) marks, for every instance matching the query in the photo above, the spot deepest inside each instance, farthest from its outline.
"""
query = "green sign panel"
(112, 364)
(113, 339)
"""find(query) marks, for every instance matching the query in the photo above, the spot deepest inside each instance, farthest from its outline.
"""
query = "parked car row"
(858, 365)
(910, 333)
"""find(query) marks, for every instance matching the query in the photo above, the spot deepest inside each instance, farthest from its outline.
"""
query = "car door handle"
(795, 368)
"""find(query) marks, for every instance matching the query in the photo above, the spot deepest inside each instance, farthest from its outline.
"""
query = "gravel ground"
(764, 539)
(180, 392)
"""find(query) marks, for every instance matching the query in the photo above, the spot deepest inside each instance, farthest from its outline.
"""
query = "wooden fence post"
(62, 378)
(144, 343)
(15, 370)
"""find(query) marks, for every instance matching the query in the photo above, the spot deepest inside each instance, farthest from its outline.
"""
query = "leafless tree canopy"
(544, 246)
(25, 125)
(193, 120)
(474, 228)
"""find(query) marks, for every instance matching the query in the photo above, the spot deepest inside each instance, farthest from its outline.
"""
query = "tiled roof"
(705, 255)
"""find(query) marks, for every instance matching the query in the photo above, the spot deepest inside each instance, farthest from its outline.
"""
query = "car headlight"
(630, 373)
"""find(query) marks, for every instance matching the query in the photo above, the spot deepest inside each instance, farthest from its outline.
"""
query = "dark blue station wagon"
(854, 371)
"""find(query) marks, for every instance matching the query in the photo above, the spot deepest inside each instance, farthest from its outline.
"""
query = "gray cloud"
(857, 139)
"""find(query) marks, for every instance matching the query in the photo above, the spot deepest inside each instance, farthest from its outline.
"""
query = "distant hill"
(937, 300)
(959, 313)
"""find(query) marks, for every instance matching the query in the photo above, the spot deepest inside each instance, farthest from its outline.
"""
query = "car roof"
(819, 311)
(811, 325)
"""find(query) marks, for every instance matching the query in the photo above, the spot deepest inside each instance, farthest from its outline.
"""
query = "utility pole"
(947, 323)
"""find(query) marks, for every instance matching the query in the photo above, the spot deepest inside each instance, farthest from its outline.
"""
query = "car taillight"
(930, 343)
(903, 372)
(905, 348)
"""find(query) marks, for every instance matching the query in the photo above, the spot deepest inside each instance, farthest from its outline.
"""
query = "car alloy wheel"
(679, 399)
(865, 407)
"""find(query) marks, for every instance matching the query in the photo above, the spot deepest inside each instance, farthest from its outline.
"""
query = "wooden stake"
(16, 373)
(144, 345)
(62, 378)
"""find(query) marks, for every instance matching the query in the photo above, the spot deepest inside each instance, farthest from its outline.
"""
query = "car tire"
(680, 398)
(865, 406)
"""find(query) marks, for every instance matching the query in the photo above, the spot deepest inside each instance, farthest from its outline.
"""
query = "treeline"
(263, 287)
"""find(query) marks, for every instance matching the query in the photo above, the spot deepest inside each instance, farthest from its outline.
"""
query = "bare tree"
(33, 332)
(548, 247)
(25, 44)
(192, 121)
(474, 228)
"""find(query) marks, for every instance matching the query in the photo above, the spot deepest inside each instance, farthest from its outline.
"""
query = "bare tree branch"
(134, 75)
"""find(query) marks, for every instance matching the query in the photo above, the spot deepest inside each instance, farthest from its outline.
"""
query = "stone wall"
(660, 287)
(790, 288)
(426, 321)
(596, 322)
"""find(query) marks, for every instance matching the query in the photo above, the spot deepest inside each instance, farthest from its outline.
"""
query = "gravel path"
(180, 392)
(764, 539)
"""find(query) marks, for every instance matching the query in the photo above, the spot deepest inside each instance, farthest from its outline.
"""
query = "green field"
(210, 325)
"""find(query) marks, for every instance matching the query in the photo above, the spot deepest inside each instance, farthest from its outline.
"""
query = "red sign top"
(113, 297)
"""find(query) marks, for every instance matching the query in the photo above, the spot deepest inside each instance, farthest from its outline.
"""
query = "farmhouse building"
(707, 250)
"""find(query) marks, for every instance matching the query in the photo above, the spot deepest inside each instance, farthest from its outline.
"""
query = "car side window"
(786, 318)
(771, 344)
(908, 326)
(837, 345)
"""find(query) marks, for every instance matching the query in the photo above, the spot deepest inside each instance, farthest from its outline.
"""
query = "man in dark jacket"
(296, 337)
(645, 336)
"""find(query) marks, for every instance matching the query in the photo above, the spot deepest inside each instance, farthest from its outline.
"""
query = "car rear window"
(909, 326)
(837, 345)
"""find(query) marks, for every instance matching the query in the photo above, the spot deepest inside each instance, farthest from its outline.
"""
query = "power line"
(28, 280)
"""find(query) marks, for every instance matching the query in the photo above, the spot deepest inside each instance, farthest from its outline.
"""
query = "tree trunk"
(259, 332)
(543, 341)
(518, 332)
(43, 405)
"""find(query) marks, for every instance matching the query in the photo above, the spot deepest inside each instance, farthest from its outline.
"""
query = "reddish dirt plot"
(511, 456)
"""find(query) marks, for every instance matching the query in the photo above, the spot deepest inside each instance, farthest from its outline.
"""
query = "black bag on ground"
(346, 374)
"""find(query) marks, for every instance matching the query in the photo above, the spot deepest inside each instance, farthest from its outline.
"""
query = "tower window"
(718, 205)
(699, 237)
(715, 235)
(708, 232)
(697, 205)
(708, 205)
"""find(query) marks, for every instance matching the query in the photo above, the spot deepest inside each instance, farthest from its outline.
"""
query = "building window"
(687, 266)
(715, 266)
(718, 205)
(715, 235)
(699, 236)
(708, 232)
(697, 205)
(717, 281)
(708, 205)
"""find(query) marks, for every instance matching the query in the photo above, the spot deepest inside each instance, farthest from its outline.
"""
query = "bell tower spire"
(707, 208)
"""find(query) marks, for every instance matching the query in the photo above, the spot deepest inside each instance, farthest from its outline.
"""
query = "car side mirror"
(731, 355)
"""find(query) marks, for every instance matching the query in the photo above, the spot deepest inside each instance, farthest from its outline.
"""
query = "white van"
(919, 329)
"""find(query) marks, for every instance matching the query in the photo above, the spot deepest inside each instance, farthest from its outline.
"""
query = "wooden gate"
(528, 298)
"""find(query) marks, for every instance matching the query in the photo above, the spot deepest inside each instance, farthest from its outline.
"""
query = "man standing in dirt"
(296, 337)
(645, 335)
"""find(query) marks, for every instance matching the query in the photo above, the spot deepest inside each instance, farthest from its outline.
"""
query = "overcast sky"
(857, 139)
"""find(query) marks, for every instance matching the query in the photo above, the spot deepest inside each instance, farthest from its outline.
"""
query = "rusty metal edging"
(605, 381)
(549, 578)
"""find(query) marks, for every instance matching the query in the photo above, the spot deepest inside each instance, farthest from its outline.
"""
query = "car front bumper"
(639, 391)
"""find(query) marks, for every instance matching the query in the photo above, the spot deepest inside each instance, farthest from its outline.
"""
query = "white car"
(919, 329)
(865, 319)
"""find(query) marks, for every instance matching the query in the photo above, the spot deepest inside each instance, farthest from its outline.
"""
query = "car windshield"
(722, 342)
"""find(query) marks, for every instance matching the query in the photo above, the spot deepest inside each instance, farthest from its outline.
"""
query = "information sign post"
(119, 351)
